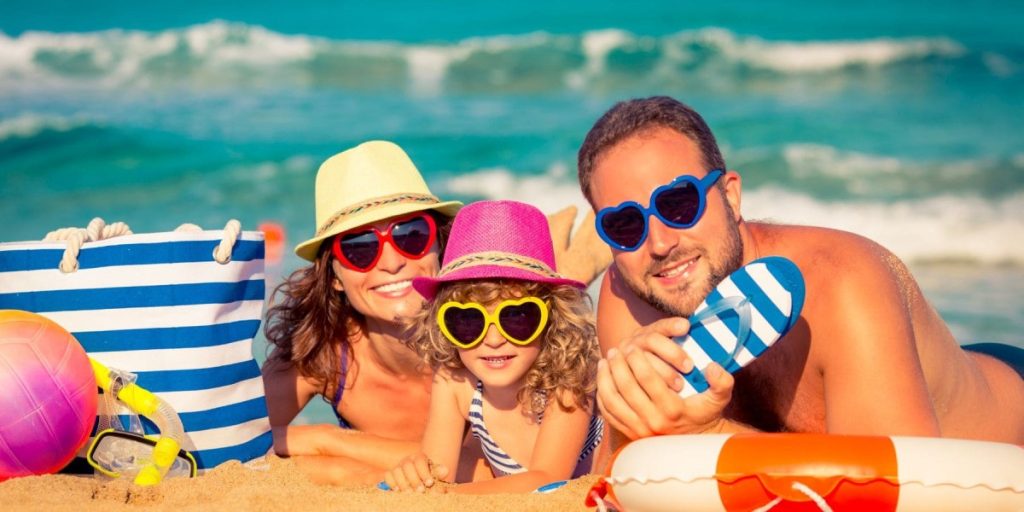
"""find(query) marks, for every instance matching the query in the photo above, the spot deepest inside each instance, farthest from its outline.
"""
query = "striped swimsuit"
(501, 463)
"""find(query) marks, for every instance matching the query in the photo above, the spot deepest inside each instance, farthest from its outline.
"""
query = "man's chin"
(673, 309)
(677, 304)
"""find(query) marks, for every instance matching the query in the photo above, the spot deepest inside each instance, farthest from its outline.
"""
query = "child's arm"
(554, 458)
(442, 440)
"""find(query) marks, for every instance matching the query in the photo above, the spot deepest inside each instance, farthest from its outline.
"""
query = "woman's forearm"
(334, 470)
(334, 441)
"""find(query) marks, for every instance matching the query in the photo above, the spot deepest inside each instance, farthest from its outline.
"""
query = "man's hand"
(638, 385)
(581, 256)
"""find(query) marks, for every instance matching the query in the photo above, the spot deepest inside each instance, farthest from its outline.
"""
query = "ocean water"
(898, 122)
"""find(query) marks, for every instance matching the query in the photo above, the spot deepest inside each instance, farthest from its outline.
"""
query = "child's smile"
(498, 363)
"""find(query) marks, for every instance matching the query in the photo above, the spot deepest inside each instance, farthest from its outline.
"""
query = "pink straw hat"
(497, 240)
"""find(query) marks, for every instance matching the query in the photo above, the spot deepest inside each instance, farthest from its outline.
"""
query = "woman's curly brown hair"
(567, 364)
(314, 322)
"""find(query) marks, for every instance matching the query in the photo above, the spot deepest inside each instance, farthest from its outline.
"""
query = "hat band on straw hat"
(501, 259)
(376, 203)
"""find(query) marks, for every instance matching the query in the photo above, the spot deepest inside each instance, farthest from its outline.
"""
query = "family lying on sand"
(457, 344)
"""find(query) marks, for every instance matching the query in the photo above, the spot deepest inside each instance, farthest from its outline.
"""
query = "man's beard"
(730, 260)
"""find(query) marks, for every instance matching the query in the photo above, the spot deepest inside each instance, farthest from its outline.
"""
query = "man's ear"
(733, 190)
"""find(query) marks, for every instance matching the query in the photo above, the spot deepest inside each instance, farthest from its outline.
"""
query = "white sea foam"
(596, 45)
(871, 175)
(118, 57)
(28, 125)
(695, 46)
(941, 228)
(817, 56)
(815, 159)
(115, 57)
(428, 65)
(550, 191)
(999, 65)
(225, 42)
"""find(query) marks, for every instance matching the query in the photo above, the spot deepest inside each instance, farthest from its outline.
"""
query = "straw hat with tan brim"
(373, 181)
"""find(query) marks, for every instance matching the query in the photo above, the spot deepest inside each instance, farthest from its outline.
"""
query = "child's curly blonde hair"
(567, 364)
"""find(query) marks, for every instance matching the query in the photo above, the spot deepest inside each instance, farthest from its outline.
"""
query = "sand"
(276, 485)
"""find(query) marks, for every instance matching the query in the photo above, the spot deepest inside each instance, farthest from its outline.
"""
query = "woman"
(337, 332)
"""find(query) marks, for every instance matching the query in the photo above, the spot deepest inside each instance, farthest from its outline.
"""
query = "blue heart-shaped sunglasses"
(678, 204)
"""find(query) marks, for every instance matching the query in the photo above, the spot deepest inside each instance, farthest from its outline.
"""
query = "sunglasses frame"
(492, 318)
(382, 238)
(701, 184)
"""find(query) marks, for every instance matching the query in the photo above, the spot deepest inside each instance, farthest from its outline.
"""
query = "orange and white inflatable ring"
(803, 472)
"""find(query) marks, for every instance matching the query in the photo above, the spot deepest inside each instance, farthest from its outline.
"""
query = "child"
(514, 351)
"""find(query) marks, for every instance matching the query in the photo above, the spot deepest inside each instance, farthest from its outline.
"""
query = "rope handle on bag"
(98, 230)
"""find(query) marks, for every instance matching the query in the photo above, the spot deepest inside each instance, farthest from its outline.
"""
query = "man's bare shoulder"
(816, 250)
(846, 275)
(848, 278)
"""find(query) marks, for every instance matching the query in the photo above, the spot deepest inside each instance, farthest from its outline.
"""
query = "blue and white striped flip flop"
(744, 315)
(550, 488)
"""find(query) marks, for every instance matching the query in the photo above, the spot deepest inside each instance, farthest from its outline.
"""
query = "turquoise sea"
(900, 122)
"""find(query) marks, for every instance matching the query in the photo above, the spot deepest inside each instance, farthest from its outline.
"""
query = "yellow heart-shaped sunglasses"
(520, 321)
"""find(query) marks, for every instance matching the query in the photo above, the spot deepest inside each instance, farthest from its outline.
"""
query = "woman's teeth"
(394, 287)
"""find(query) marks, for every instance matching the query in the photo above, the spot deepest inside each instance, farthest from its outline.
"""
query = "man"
(868, 355)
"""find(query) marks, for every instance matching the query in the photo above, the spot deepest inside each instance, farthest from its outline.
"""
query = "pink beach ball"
(47, 395)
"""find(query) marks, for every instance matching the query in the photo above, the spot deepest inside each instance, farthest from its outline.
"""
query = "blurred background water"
(898, 122)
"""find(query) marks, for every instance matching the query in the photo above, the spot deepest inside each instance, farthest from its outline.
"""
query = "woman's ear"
(335, 280)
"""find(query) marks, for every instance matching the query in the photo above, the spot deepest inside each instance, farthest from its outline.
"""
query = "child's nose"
(493, 338)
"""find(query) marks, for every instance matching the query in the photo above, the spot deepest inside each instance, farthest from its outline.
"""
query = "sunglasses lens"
(360, 249)
(465, 325)
(625, 227)
(412, 236)
(520, 321)
(679, 205)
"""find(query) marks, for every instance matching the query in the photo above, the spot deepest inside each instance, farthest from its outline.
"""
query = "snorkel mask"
(118, 453)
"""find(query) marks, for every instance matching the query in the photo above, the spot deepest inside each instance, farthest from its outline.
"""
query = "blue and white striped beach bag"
(159, 305)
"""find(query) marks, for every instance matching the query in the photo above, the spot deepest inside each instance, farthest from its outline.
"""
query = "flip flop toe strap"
(741, 306)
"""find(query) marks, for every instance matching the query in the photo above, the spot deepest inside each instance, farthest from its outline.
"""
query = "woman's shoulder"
(279, 374)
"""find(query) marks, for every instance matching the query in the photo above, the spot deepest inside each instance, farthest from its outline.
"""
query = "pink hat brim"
(427, 286)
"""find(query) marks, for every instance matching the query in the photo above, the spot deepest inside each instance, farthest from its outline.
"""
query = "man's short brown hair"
(630, 117)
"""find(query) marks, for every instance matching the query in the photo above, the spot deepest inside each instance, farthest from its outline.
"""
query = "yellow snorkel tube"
(166, 450)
